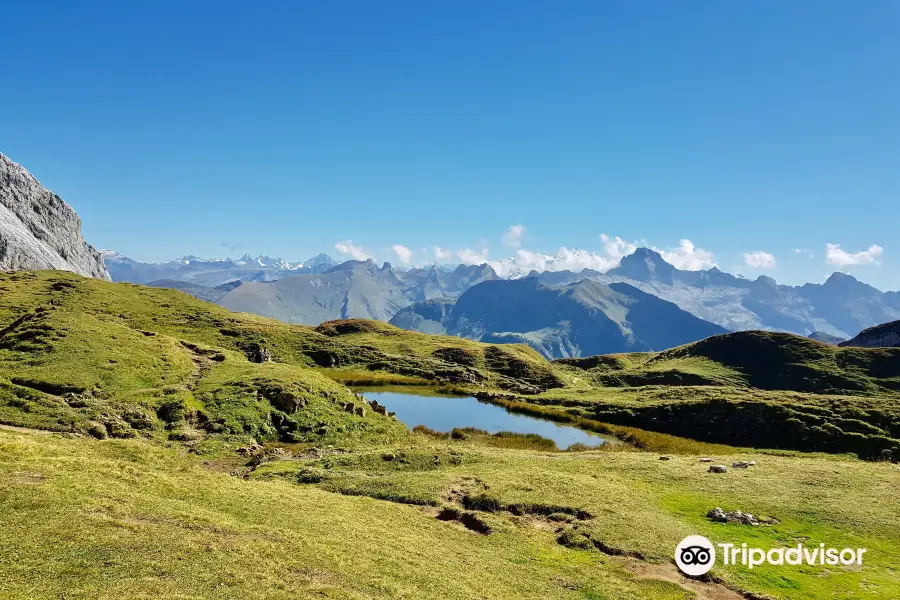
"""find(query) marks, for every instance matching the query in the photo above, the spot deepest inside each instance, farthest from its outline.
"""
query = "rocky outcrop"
(886, 335)
(38, 230)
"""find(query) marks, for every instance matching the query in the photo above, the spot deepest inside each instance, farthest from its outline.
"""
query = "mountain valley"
(160, 440)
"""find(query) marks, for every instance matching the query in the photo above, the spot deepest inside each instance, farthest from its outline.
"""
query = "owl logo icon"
(695, 555)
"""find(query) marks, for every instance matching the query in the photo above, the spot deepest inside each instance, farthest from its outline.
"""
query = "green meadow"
(156, 446)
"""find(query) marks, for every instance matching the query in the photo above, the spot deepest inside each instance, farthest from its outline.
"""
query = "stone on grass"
(720, 516)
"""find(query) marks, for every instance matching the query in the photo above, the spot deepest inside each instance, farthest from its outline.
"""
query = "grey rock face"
(38, 230)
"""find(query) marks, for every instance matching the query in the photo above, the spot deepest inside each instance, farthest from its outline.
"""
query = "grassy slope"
(86, 355)
(61, 330)
(750, 388)
(127, 518)
(141, 517)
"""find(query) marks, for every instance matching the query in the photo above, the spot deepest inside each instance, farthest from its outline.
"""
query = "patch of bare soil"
(469, 520)
(25, 430)
(466, 499)
(466, 486)
(28, 478)
(669, 572)
(202, 364)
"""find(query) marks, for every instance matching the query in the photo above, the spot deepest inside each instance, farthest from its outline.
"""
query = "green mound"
(783, 361)
(121, 360)
(751, 388)
(752, 359)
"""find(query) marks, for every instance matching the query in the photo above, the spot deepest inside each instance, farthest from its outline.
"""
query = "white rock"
(38, 230)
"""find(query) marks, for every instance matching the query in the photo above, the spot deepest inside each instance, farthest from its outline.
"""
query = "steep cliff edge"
(38, 230)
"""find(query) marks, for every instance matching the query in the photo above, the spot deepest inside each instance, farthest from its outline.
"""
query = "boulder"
(718, 469)
(251, 448)
(258, 354)
(720, 516)
(282, 399)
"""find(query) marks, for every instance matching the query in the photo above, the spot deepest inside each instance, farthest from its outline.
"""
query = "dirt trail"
(669, 572)
(202, 365)
(26, 430)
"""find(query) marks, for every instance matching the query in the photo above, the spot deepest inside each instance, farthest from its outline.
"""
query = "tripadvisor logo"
(696, 555)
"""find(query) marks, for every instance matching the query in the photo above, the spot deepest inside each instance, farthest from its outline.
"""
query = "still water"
(443, 413)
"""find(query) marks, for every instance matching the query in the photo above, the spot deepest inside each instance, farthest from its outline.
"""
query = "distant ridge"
(831, 311)
(886, 335)
(570, 320)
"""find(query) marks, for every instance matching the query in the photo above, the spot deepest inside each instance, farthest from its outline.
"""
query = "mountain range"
(353, 289)
(577, 319)
(213, 272)
(644, 303)
(842, 306)
(436, 299)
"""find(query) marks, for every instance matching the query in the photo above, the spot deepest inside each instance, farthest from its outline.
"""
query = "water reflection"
(443, 413)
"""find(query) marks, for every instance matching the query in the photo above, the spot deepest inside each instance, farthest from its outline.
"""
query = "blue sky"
(285, 128)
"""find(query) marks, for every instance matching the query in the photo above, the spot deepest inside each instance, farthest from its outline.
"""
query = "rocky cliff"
(38, 230)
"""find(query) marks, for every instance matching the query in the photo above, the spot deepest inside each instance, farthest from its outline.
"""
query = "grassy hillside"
(749, 388)
(886, 335)
(127, 518)
(117, 359)
(753, 359)
(122, 360)
(130, 464)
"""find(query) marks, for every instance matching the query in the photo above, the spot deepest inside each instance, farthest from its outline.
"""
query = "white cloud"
(616, 247)
(805, 251)
(355, 252)
(403, 253)
(467, 256)
(442, 255)
(685, 256)
(759, 260)
(834, 255)
(688, 257)
(513, 236)
(566, 259)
